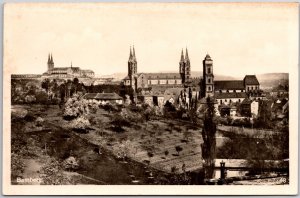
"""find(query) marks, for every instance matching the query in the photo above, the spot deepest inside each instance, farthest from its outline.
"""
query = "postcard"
(150, 98)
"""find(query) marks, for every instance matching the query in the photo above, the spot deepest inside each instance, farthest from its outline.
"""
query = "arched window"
(221, 101)
(208, 70)
(229, 100)
(209, 80)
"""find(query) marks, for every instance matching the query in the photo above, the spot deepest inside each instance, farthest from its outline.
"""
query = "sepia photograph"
(138, 98)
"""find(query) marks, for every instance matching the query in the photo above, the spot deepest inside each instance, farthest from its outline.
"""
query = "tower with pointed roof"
(132, 67)
(181, 66)
(185, 67)
(50, 62)
(187, 72)
(208, 77)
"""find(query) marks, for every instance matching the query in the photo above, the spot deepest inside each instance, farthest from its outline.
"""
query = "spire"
(49, 58)
(134, 58)
(182, 56)
(130, 55)
(186, 55)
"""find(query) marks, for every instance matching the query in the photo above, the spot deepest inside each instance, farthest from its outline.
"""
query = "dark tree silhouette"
(209, 139)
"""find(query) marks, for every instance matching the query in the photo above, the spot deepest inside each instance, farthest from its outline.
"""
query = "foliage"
(17, 165)
(75, 107)
(71, 163)
(80, 124)
(178, 149)
(39, 121)
(209, 139)
(52, 173)
(30, 99)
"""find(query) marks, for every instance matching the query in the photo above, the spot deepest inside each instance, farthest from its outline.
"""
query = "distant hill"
(271, 80)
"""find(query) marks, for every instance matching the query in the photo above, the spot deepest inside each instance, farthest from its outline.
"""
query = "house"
(230, 97)
(104, 98)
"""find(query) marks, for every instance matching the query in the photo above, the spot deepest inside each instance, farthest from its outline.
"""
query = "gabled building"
(65, 72)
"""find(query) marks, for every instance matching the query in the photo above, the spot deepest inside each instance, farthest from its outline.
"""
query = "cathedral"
(157, 80)
(66, 72)
(225, 93)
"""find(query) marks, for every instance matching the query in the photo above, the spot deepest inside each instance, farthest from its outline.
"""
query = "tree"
(46, 84)
(178, 149)
(209, 139)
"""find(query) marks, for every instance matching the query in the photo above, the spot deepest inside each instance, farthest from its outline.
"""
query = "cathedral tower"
(50, 62)
(187, 72)
(132, 67)
(181, 67)
(208, 77)
(185, 67)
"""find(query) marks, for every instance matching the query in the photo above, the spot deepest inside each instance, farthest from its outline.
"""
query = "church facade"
(155, 80)
(66, 72)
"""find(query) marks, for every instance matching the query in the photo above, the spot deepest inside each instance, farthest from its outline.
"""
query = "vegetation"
(209, 140)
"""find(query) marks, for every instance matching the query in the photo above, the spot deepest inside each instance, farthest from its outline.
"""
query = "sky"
(241, 38)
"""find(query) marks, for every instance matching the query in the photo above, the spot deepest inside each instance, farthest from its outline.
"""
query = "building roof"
(230, 95)
(246, 101)
(229, 84)
(251, 80)
(88, 71)
(162, 75)
(102, 96)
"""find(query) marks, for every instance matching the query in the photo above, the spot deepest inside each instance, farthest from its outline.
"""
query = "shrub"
(30, 117)
(75, 107)
(39, 121)
(166, 152)
(70, 164)
(178, 149)
(30, 99)
(80, 124)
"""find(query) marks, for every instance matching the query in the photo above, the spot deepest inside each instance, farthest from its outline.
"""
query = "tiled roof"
(102, 96)
(162, 75)
(229, 84)
(251, 80)
(230, 95)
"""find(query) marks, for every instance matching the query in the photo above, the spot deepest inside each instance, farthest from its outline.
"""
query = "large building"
(66, 72)
(164, 80)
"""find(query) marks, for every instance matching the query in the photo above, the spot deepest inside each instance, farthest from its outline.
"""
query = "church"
(226, 93)
(66, 72)
(157, 80)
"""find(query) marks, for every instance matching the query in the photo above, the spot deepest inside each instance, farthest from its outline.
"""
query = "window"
(209, 80)
(234, 91)
(220, 91)
(221, 101)
(239, 100)
(225, 100)
(208, 70)
(208, 88)
(230, 101)
(227, 91)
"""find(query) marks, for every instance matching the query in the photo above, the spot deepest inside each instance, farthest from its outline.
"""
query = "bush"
(39, 121)
(75, 107)
(80, 124)
(30, 99)
(30, 117)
